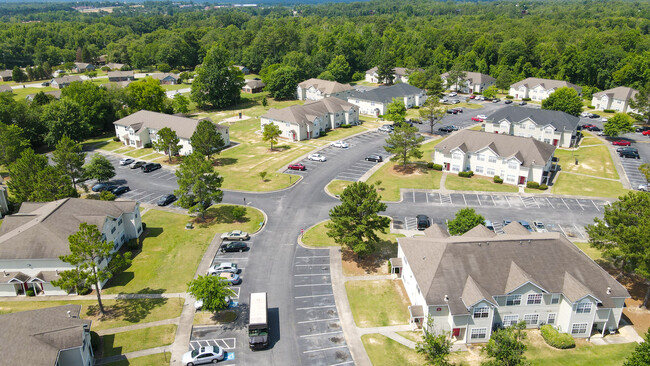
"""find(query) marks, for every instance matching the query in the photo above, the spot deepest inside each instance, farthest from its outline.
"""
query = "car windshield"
(195, 353)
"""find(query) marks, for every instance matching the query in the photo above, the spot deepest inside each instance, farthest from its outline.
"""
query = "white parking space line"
(479, 200)
(312, 274)
(314, 284)
(464, 200)
(316, 256)
(317, 307)
(427, 196)
(578, 231)
(494, 203)
(549, 202)
(561, 228)
(311, 265)
(320, 334)
(567, 206)
(413, 193)
(579, 204)
(324, 349)
(595, 205)
(506, 197)
(343, 363)
(308, 296)
(319, 320)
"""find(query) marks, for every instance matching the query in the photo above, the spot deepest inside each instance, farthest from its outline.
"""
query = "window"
(513, 300)
(479, 169)
(139, 230)
(455, 168)
(481, 312)
(480, 157)
(492, 159)
(509, 320)
(457, 156)
(513, 165)
(119, 222)
(579, 328)
(113, 230)
(480, 333)
(531, 319)
(548, 141)
(583, 308)
(551, 318)
(531, 127)
(555, 299)
(534, 299)
(511, 179)
(490, 171)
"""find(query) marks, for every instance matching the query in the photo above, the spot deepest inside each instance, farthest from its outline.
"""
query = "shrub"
(238, 212)
(476, 93)
(497, 179)
(116, 139)
(509, 97)
(533, 185)
(556, 339)
(609, 111)
(345, 125)
(436, 167)
(94, 341)
(106, 196)
(467, 174)
(358, 76)
(415, 107)
(591, 107)
(30, 292)
(526, 99)
(429, 165)
(148, 145)
(176, 71)
(543, 187)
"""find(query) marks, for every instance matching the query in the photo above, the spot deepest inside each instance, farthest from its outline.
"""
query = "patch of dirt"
(411, 169)
(374, 264)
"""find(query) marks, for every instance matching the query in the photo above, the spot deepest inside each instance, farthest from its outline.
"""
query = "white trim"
(525, 283)
(532, 315)
(573, 326)
(478, 331)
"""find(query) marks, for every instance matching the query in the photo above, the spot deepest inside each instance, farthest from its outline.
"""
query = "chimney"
(5, 273)
(446, 298)
(57, 271)
(609, 291)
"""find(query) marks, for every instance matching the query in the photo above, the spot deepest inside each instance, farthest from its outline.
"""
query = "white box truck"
(258, 326)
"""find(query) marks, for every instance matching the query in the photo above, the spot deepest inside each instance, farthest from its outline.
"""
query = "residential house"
(474, 82)
(166, 78)
(101, 60)
(64, 81)
(118, 84)
(141, 128)
(617, 99)
(475, 283)
(115, 66)
(6, 75)
(401, 75)
(253, 86)
(32, 240)
(304, 122)
(116, 76)
(4, 200)
(317, 89)
(55, 93)
(553, 127)
(515, 159)
(4, 88)
(82, 67)
(243, 69)
(539, 89)
(45, 337)
(375, 101)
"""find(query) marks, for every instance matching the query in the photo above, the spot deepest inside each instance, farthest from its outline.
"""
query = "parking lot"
(631, 167)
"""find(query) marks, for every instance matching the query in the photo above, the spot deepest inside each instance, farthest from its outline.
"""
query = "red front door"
(522, 180)
(455, 332)
(554, 142)
(447, 166)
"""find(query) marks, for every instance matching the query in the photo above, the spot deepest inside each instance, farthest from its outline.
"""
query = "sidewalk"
(126, 356)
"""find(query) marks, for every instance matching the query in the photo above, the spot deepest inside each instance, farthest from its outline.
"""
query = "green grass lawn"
(594, 160)
(477, 128)
(121, 312)
(415, 336)
(21, 93)
(169, 87)
(476, 183)
(158, 359)
(170, 253)
(336, 187)
(590, 139)
(377, 303)
(572, 184)
(384, 351)
(593, 253)
(135, 340)
(317, 237)
(584, 354)
(140, 152)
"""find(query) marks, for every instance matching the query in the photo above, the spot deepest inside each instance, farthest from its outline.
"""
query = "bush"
(345, 125)
(609, 111)
(238, 212)
(116, 139)
(526, 99)
(533, 185)
(94, 341)
(591, 107)
(415, 107)
(476, 93)
(106, 196)
(467, 174)
(509, 97)
(358, 76)
(497, 179)
(556, 339)
(543, 187)
(429, 165)
(148, 145)
(30, 292)
(436, 167)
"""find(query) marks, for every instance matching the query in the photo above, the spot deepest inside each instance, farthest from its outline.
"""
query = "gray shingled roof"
(42, 229)
(6, 88)
(37, 336)
(468, 269)
(401, 71)
(55, 93)
(621, 93)
(303, 115)
(67, 79)
(120, 74)
(6, 73)
(526, 149)
(254, 84)
(386, 94)
(546, 83)
(161, 76)
(436, 231)
(325, 86)
(561, 121)
(183, 126)
(113, 65)
(473, 77)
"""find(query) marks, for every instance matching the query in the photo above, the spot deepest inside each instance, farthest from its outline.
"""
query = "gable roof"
(499, 264)
(325, 86)
(6, 88)
(41, 230)
(67, 79)
(120, 74)
(399, 71)
(526, 149)
(55, 93)
(114, 65)
(303, 115)
(473, 77)
(6, 73)
(81, 65)
(183, 126)
(163, 76)
(255, 83)
(436, 231)
(546, 83)
(479, 231)
(37, 336)
(561, 121)
(386, 94)
(620, 92)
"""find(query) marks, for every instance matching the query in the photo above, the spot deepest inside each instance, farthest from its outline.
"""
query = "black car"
(234, 246)
(120, 190)
(627, 148)
(99, 187)
(450, 111)
(423, 221)
(374, 157)
(507, 101)
(594, 128)
(594, 115)
(454, 127)
(445, 129)
(522, 103)
(459, 109)
(629, 154)
(149, 167)
(642, 129)
(138, 164)
(166, 199)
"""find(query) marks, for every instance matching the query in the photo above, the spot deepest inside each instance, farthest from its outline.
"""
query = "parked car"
(223, 267)
(604, 119)
(150, 167)
(629, 154)
(506, 222)
(234, 246)
(297, 166)
(231, 278)
(120, 190)
(446, 129)
(423, 222)
(375, 157)
(496, 100)
(539, 226)
(642, 129)
(526, 225)
(386, 128)
(643, 187)
(588, 125)
(488, 224)
(646, 133)
(585, 114)
(317, 157)
(621, 143)
(472, 96)
(198, 304)
(454, 127)
(455, 101)
(45, 83)
(415, 120)
(522, 103)
(126, 161)
(235, 235)
(203, 355)
(451, 111)
(594, 128)
(138, 164)
(626, 148)
(459, 109)
(482, 116)
(508, 101)
(340, 144)
(476, 119)
(594, 115)
(453, 94)
(99, 187)
(480, 97)
(166, 199)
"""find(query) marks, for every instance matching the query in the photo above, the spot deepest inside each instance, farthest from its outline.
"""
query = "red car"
(477, 119)
(588, 125)
(472, 96)
(646, 133)
(296, 167)
(621, 143)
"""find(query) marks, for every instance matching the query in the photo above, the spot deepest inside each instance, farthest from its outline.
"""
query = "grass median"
(476, 183)
(384, 351)
(336, 187)
(378, 303)
(592, 160)
(578, 185)
(136, 340)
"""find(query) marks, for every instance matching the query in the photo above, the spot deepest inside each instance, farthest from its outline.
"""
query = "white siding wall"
(368, 107)
(479, 323)
(581, 318)
(7, 289)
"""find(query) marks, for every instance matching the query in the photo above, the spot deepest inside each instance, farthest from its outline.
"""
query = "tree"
(435, 87)
(506, 346)
(435, 347)
(63, 118)
(340, 69)
(51, 185)
(504, 80)
(33, 179)
(18, 75)
(91, 74)
(206, 139)
(107, 196)
(404, 143)
(12, 143)
(180, 103)
(270, 133)
(99, 168)
(456, 77)
(198, 184)
(641, 354)
(431, 111)
(619, 124)
(263, 175)
(396, 111)
(212, 290)
(69, 158)
(564, 99)
(645, 170)
(41, 99)
(465, 220)
(238, 212)
(95, 108)
(217, 83)
(282, 83)
(326, 75)
(490, 92)
(386, 68)
(167, 142)
(146, 94)
(356, 220)
(88, 250)
(641, 103)
(622, 235)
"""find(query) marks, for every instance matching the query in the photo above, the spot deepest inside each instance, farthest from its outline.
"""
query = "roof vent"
(5, 273)
(609, 290)
(479, 243)
(69, 314)
(446, 297)
(520, 242)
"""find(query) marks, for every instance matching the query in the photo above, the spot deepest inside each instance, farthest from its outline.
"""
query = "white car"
(198, 304)
(482, 116)
(126, 161)
(585, 114)
(643, 187)
(341, 144)
(223, 267)
(235, 235)
(539, 226)
(453, 94)
(385, 128)
(203, 355)
(317, 157)
(604, 119)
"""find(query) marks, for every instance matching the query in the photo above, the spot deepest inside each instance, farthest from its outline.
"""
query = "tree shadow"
(410, 168)
(371, 263)
(224, 161)
(130, 309)
(281, 148)
(221, 214)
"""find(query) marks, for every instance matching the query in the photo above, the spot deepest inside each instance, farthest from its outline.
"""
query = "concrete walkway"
(388, 329)
(126, 356)
(137, 326)
(399, 339)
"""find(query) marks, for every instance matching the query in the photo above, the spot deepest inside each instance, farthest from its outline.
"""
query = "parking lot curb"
(307, 246)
